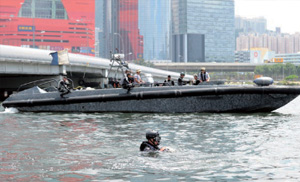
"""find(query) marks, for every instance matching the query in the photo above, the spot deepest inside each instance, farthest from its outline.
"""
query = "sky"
(279, 13)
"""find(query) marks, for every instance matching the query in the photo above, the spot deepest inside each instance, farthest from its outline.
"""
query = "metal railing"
(37, 83)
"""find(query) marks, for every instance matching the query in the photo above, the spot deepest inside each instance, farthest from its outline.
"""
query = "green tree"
(259, 70)
(143, 63)
(290, 69)
(292, 77)
(298, 70)
(268, 70)
(277, 70)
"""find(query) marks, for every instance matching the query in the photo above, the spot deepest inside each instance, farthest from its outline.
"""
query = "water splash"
(291, 108)
(9, 111)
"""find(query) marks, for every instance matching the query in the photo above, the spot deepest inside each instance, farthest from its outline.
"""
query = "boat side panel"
(207, 103)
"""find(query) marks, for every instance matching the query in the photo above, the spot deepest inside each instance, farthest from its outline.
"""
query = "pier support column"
(4, 94)
(103, 79)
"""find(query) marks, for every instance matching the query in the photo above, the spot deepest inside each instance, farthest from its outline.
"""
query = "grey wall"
(188, 48)
(196, 47)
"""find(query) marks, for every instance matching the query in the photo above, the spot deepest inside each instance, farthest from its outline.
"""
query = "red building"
(51, 24)
(119, 29)
(129, 30)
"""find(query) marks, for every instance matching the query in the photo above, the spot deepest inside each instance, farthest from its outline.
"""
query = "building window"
(48, 9)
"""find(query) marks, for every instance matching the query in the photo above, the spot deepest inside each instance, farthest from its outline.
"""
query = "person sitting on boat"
(152, 144)
(127, 71)
(114, 82)
(137, 78)
(64, 86)
(195, 81)
(169, 82)
(131, 78)
(127, 82)
(203, 76)
(180, 79)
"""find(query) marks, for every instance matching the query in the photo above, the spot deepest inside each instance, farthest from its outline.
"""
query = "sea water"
(105, 146)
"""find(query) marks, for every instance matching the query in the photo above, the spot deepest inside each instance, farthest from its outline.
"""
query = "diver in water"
(152, 144)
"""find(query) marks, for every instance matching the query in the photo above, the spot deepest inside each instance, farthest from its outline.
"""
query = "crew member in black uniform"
(196, 81)
(180, 79)
(130, 79)
(127, 82)
(203, 75)
(169, 82)
(152, 144)
(64, 86)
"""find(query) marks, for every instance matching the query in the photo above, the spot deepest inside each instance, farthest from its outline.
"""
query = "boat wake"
(9, 111)
(291, 108)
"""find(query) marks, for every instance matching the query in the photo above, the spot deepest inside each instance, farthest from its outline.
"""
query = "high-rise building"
(155, 24)
(203, 31)
(49, 24)
(103, 23)
(279, 43)
(278, 30)
(253, 25)
(118, 29)
(242, 56)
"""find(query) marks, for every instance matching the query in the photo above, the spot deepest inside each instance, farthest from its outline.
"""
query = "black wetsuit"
(146, 146)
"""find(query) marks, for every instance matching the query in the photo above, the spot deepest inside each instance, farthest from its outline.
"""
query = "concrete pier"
(20, 65)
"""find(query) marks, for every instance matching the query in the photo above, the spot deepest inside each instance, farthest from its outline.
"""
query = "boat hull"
(165, 100)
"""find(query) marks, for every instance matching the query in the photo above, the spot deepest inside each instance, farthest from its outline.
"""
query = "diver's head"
(153, 137)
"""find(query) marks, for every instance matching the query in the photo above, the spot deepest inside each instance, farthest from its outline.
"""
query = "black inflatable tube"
(153, 95)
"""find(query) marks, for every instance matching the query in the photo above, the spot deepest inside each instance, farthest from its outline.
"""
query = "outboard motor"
(264, 81)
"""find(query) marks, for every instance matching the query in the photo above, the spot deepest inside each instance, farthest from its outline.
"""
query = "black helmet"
(153, 135)
(182, 73)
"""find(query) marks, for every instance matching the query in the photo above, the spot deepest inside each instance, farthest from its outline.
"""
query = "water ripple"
(105, 147)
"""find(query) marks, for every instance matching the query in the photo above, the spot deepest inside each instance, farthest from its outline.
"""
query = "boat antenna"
(117, 61)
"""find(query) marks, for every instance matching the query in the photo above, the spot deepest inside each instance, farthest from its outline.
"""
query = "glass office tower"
(154, 25)
(118, 28)
(211, 23)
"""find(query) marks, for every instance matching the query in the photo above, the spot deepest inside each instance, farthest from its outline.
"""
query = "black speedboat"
(167, 99)
(161, 99)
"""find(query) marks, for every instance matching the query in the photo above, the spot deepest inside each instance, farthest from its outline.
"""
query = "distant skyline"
(279, 13)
